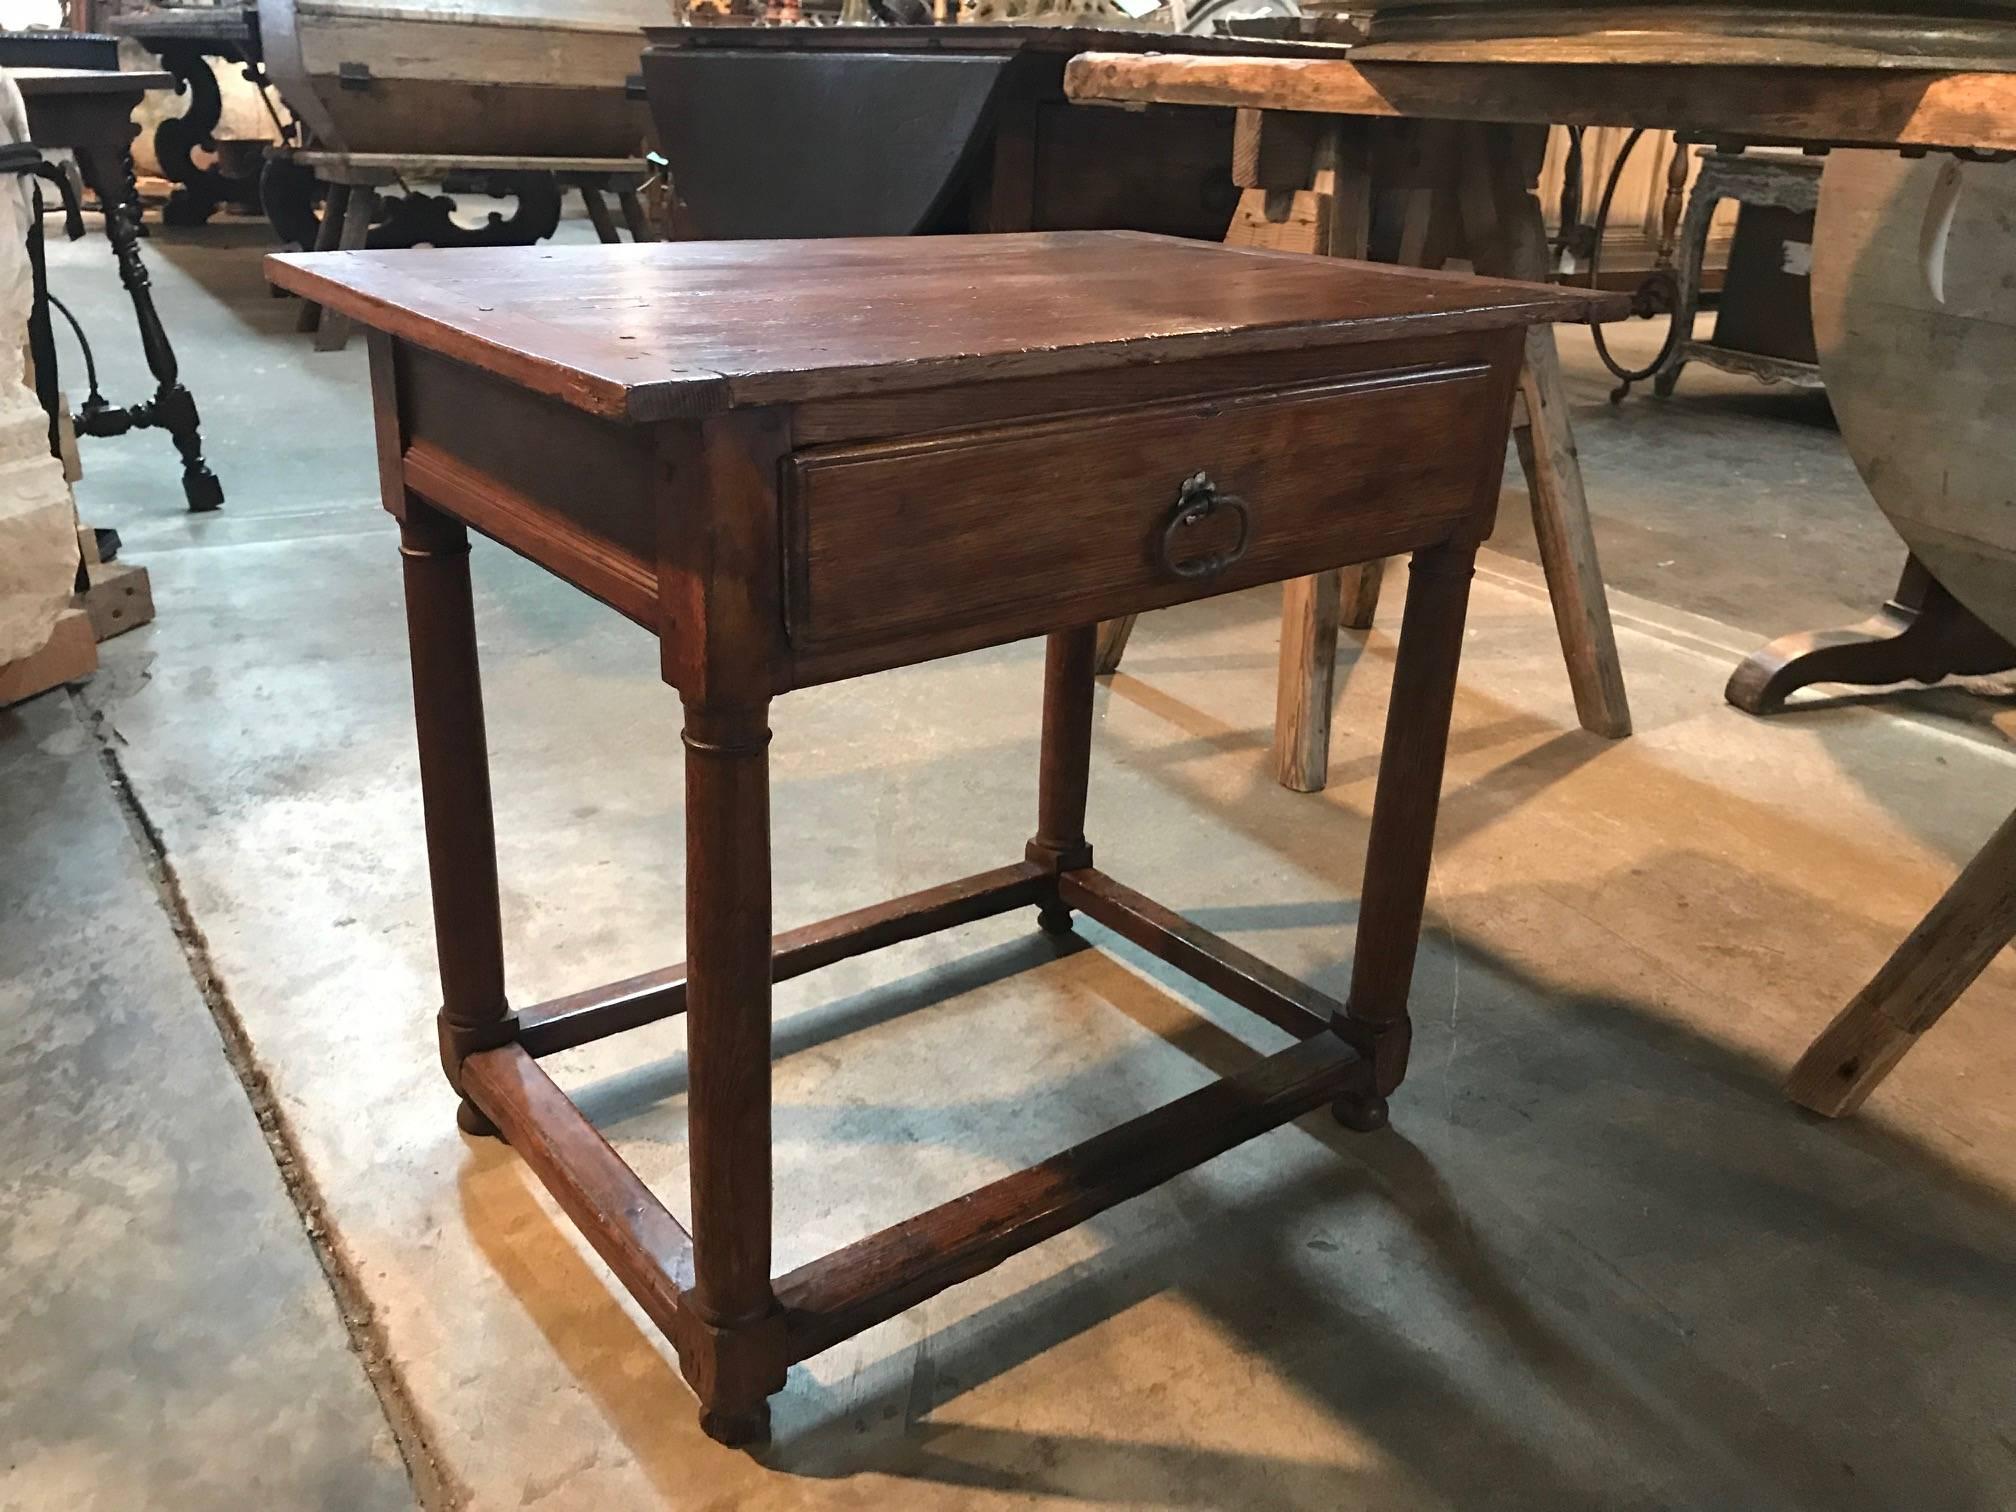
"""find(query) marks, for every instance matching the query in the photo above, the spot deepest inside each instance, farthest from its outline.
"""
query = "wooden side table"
(797, 462)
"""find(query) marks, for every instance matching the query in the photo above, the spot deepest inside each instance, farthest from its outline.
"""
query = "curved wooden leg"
(1921, 634)
(1937, 961)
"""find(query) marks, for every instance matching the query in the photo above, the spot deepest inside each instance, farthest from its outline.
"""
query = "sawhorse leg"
(1937, 962)
(1507, 237)
(1307, 187)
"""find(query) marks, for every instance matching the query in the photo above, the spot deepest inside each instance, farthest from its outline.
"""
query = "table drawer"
(975, 538)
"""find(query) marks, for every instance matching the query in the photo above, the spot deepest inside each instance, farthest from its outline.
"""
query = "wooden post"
(1066, 771)
(455, 793)
(1937, 962)
(333, 332)
(718, 588)
(1398, 854)
(1312, 608)
(1502, 222)
(598, 208)
(1113, 637)
(327, 233)
(728, 1008)
(633, 215)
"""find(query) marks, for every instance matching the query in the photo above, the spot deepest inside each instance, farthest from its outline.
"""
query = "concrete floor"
(1597, 1262)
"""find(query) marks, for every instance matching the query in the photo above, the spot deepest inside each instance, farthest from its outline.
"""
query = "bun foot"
(471, 1119)
(1361, 1115)
(749, 1426)
(1054, 918)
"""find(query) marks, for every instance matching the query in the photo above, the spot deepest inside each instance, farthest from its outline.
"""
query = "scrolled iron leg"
(173, 407)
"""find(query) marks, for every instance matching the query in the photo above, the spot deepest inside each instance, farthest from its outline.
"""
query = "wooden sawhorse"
(1318, 184)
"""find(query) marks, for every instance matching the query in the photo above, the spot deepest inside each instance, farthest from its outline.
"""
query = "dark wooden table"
(797, 462)
(90, 111)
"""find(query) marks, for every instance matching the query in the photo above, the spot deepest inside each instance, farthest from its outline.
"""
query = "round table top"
(1917, 340)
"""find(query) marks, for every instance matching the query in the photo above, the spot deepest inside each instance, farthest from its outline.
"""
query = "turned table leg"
(1937, 962)
(1059, 842)
(1403, 823)
(728, 1052)
(455, 793)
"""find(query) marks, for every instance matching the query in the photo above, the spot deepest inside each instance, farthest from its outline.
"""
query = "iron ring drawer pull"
(1197, 501)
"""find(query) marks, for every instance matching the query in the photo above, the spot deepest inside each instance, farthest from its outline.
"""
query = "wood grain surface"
(675, 329)
(888, 545)
(1867, 106)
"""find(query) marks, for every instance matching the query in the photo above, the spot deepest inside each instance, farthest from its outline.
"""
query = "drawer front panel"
(987, 536)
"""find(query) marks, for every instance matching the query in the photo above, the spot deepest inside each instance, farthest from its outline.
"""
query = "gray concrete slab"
(1597, 1262)
(169, 1338)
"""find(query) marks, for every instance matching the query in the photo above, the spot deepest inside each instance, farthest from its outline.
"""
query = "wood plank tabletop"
(1756, 103)
(665, 329)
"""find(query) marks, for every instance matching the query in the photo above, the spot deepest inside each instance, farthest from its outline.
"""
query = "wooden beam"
(1275, 149)
(877, 1277)
(629, 1228)
(1926, 974)
(1216, 962)
(1849, 106)
(580, 1017)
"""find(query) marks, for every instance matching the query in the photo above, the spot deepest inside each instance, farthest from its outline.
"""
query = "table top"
(83, 81)
(187, 24)
(1752, 103)
(669, 329)
(971, 39)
